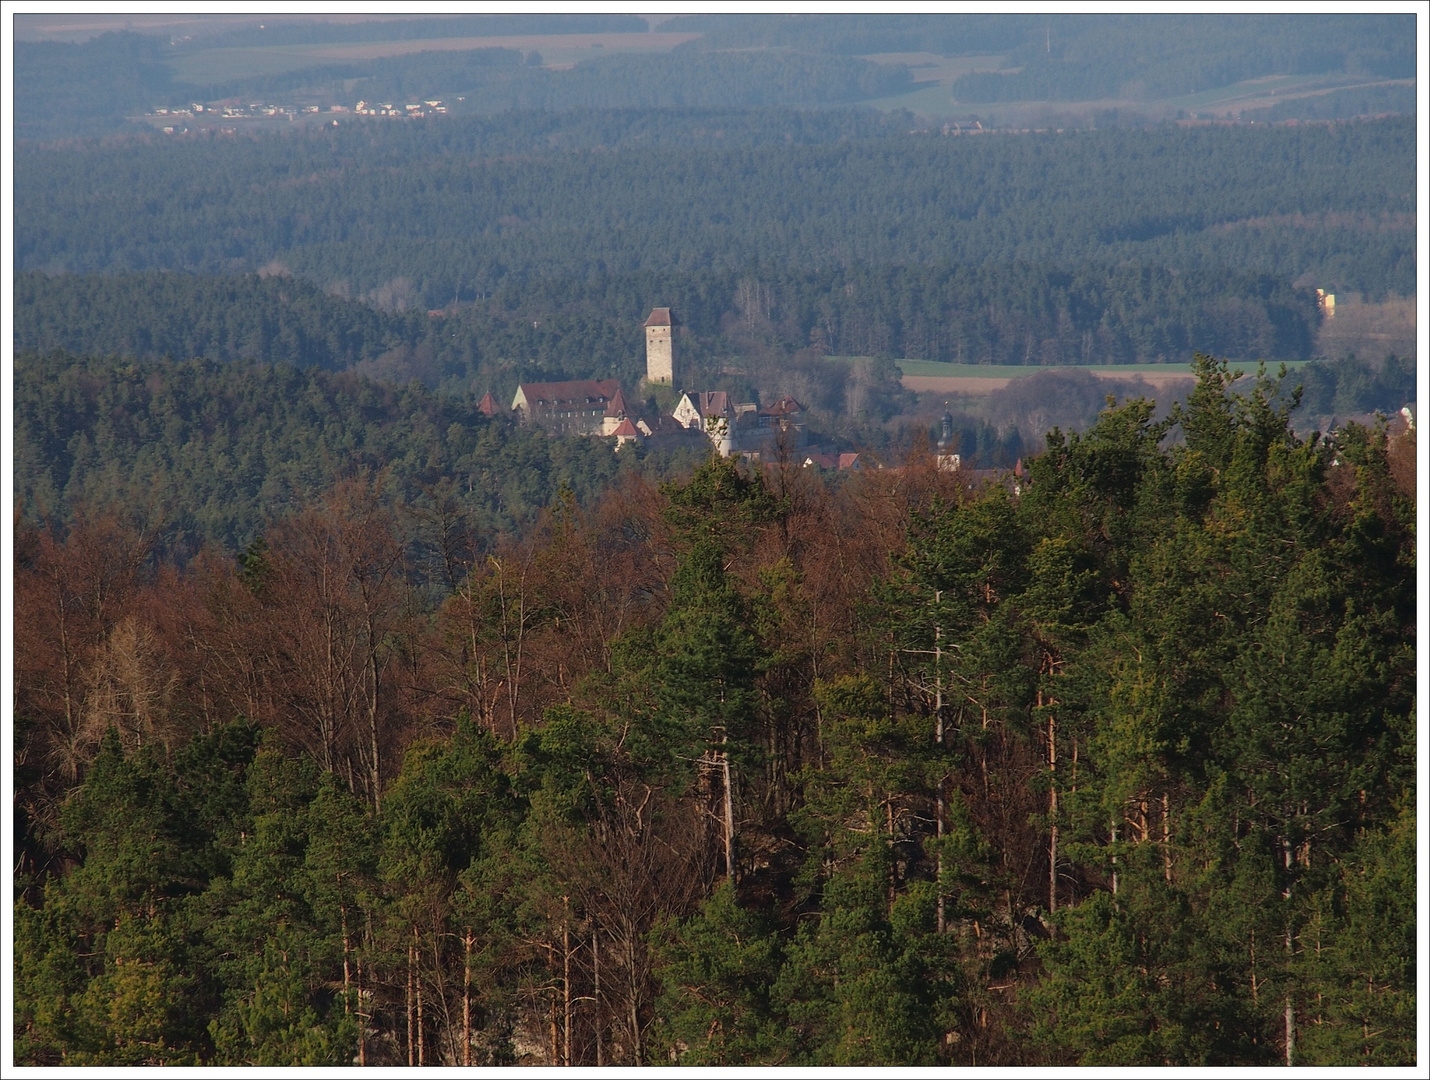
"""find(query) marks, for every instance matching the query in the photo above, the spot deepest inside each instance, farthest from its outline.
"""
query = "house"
(626, 432)
(780, 424)
(615, 415)
(842, 462)
(782, 415)
(487, 406)
(730, 425)
(578, 407)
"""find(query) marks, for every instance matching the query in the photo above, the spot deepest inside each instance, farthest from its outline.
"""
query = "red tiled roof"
(625, 428)
(576, 392)
(617, 407)
(487, 405)
(659, 316)
(848, 461)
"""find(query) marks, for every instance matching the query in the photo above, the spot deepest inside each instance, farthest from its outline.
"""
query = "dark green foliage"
(1116, 768)
(114, 966)
(147, 316)
(1375, 100)
(568, 328)
(460, 207)
(720, 968)
(65, 89)
(1349, 387)
(213, 450)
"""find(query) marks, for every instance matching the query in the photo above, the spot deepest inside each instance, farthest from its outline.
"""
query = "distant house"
(831, 462)
(487, 406)
(783, 414)
(726, 423)
(626, 432)
(615, 415)
(579, 407)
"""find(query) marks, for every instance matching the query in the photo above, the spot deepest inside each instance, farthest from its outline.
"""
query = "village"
(599, 407)
(212, 116)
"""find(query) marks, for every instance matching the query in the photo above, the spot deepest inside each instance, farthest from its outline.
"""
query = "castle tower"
(659, 347)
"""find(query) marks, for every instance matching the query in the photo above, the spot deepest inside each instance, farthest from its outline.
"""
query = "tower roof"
(660, 316)
(617, 407)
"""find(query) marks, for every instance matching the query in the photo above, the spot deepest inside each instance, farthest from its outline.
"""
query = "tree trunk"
(411, 1033)
(634, 1002)
(1290, 1033)
(1166, 839)
(374, 766)
(347, 952)
(467, 941)
(943, 777)
(1052, 804)
(596, 968)
(729, 815)
(421, 1034)
(566, 981)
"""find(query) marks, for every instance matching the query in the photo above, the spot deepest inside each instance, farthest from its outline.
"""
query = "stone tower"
(659, 347)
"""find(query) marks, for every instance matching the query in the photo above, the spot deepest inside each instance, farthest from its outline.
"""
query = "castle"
(598, 407)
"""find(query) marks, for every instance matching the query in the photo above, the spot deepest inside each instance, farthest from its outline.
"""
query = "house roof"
(579, 392)
(617, 407)
(712, 402)
(824, 461)
(488, 404)
(659, 316)
(785, 406)
(849, 461)
(625, 429)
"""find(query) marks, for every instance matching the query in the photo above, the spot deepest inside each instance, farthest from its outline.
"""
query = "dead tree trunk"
(729, 815)
(596, 993)
(1052, 804)
(566, 980)
(467, 942)
(411, 1032)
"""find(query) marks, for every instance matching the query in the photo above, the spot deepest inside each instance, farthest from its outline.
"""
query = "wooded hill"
(1116, 769)
(203, 453)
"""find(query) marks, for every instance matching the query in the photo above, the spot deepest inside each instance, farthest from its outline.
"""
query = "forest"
(1115, 766)
(203, 453)
(968, 314)
(357, 723)
(454, 209)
